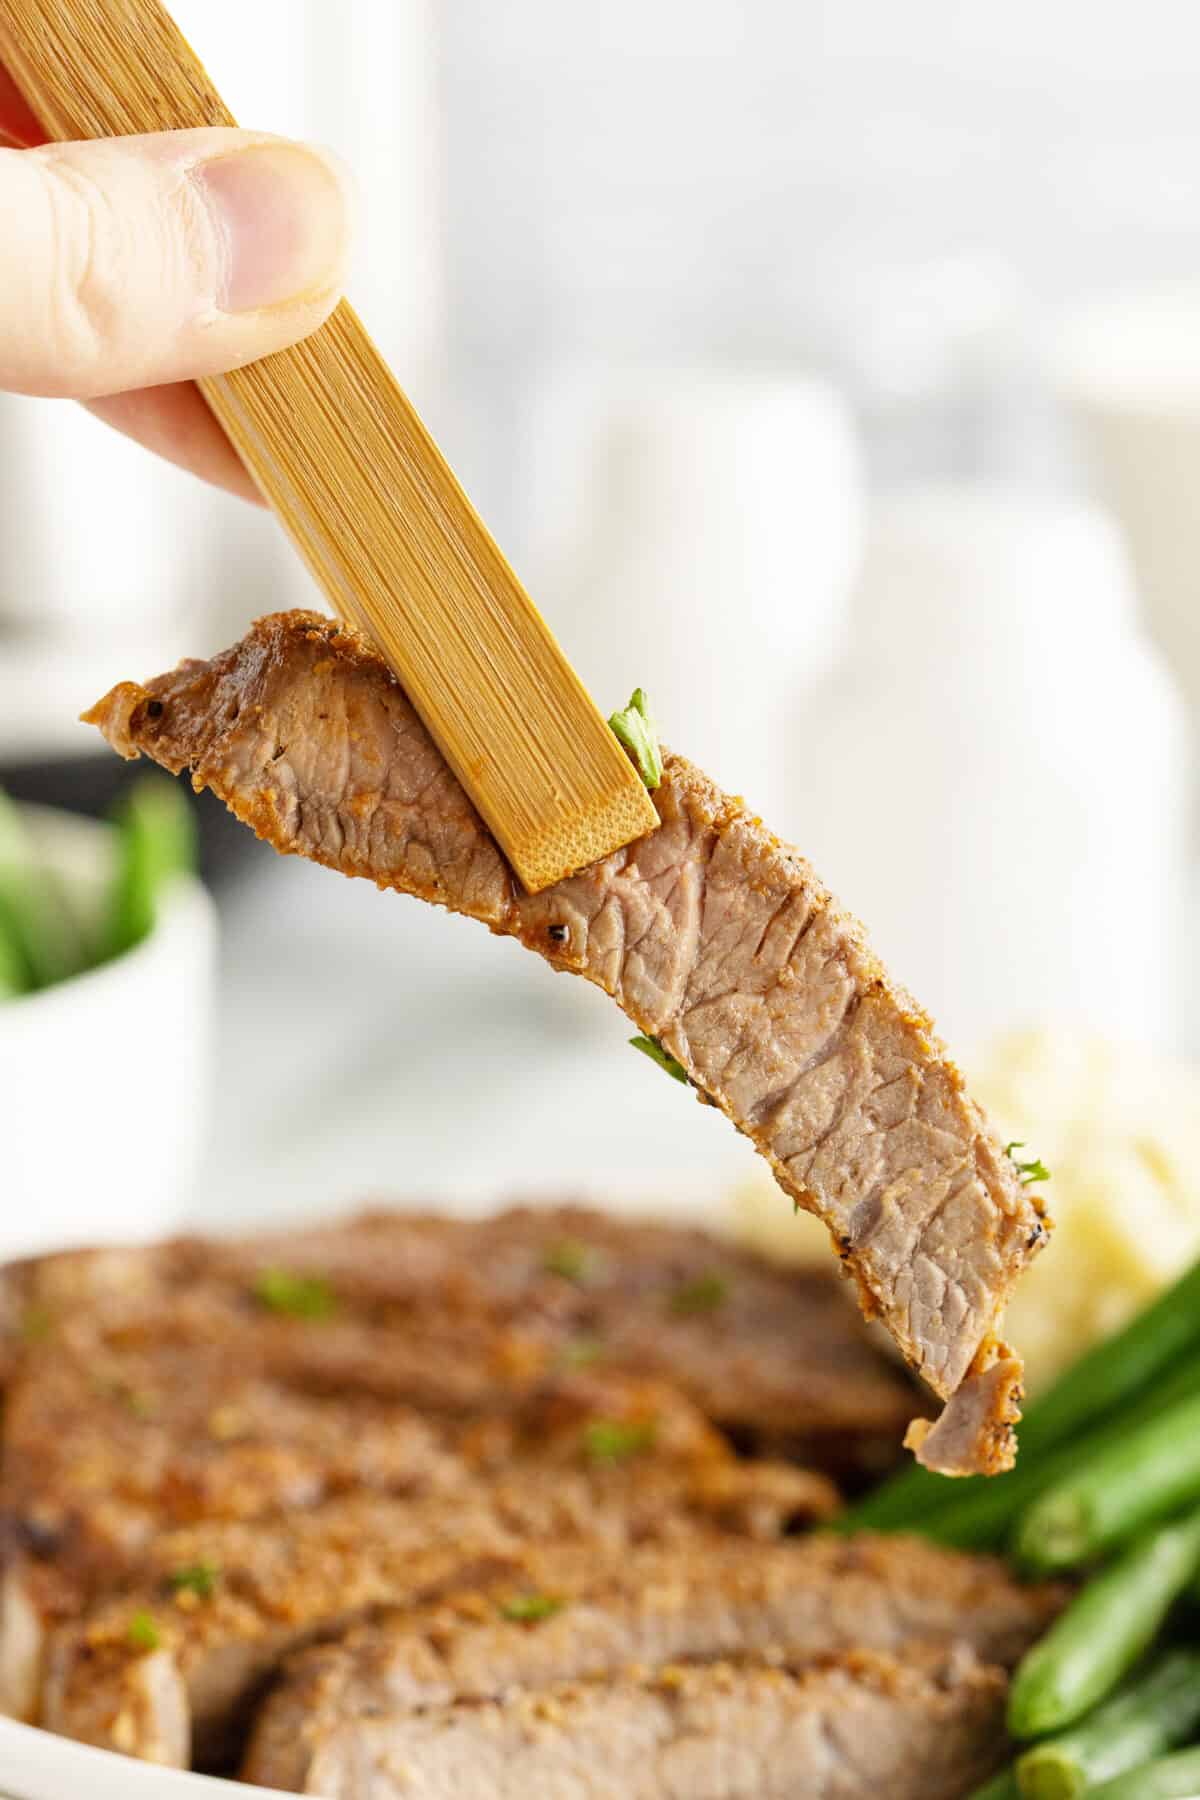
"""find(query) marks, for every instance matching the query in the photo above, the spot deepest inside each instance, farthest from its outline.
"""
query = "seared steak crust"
(713, 937)
(462, 1317)
(281, 1583)
(846, 1729)
(599, 1618)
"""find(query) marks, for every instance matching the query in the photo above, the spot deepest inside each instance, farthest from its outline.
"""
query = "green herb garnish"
(37, 1323)
(1028, 1171)
(198, 1578)
(650, 1046)
(569, 1259)
(703, 1295)
(635, 729)
(156, 843)
(580, 1353)
(616, 1440)
(527, 1609)
(143, 1632)
(303, 1296)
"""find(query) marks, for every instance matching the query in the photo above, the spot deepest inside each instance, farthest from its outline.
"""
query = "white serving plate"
(36, 1766)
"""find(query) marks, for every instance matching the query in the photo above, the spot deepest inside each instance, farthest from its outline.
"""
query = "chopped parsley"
(616, 1440)
(197, 1578)
(650, 1046)
(143, 1632)
(1027, 1171)
(702, 1295)
(36, 1324)
(301, 1296)
(635, 729)
(581, 1352)
(527, 1609)
(569, 1259)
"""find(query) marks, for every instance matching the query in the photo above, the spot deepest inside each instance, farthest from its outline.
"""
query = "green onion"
(527, 1609)
(569, 1259)
(197, 1578)
(143, 1633)
(616, 1440)
(703, 1295)
(650, 1046)
(635, 729)
(301, 1296)
(1028, 1171)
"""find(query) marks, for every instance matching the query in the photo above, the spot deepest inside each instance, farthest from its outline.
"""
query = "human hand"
(130, 266)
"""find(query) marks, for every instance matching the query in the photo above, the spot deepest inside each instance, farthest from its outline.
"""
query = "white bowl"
(104, 1078)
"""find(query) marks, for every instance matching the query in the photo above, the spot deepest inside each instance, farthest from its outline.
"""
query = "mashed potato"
(1120, 1135)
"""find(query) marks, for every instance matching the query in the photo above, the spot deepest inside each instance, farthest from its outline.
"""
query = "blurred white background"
(756, 332)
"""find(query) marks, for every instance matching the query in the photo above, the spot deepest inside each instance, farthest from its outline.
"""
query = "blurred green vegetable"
(1103, 1632)
(1168, 1778)
(1151, 1470)
(1000, 1787)
(156, 841)
(42, 941)
(980, 1513)
(1111, 1375)
(1152, 1714)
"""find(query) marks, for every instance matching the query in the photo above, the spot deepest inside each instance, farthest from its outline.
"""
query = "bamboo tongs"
(368, 499)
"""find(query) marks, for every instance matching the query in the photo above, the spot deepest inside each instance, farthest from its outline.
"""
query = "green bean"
(156, 840)
(1000, 1787)
(13, 978)
(1167, 1778)
(1150, 1471)
(1152, 1714)
(45, 943)
(1108, 1625)
(980, 1512)
(1106, 1377)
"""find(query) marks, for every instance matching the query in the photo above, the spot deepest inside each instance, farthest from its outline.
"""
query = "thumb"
(128, 262)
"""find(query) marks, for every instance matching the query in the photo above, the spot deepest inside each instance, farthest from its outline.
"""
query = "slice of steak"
(107, 1445)
(772, 1355)
(465, 1317)
(654, 1606)
(713, 937)
(850, 1728)
(161, 1672)
(105, 1453)
(101, 1452)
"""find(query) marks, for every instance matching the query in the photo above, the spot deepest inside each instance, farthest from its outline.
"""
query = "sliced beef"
(770, 1354)
(654, 1606)
(604, 1485)
(101, 1453)
(466, 1317)
(849, 1728)
(712, 936)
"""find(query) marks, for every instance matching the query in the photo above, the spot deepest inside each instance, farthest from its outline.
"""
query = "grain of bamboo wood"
(372, 506)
